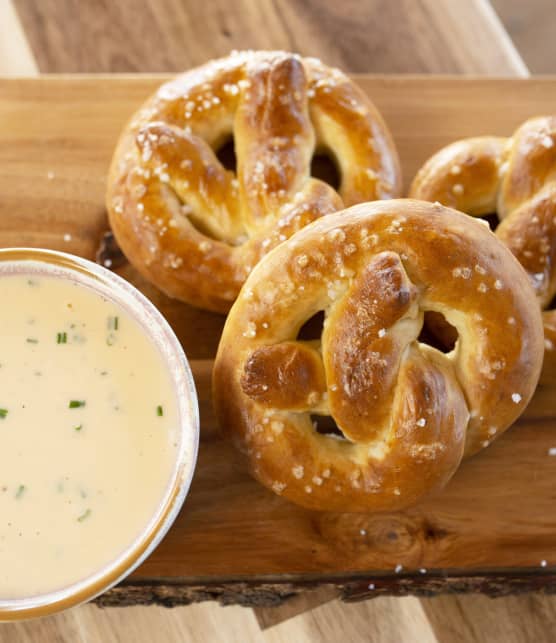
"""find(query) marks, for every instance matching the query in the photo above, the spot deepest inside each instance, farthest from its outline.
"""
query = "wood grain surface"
(401, 36)
(531, 26)
(497, 513)
(16, 58)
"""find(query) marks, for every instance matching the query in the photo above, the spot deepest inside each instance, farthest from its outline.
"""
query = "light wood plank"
(527, 618)
(450, 619)
(406, 36)
(16, 58)
(531, 26)
(270, 616)
(384, 620)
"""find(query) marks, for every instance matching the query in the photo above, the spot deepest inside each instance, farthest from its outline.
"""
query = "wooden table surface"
(384, 36)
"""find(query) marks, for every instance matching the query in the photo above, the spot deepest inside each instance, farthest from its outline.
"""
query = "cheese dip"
(91, 427)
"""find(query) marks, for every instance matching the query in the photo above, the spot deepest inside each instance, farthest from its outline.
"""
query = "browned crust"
(410, 411)
(192, 227)
(516, 178)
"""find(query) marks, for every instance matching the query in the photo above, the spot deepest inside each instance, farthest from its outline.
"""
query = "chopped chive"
(3, 413)
(110, 339)
(159, 411)
(78, 428)
(32, 340)
(75, 404)
(20, 491)
(84, 515)
(62, 338)
(112, 323)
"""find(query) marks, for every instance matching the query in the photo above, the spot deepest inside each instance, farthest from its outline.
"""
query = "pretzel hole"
(492, 220)
(312, 328)
(325, 168)
(325, 425)
(438, 332)
(226, 154)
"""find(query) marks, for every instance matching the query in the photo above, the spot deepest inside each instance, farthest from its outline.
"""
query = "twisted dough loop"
(408, 412)
(516, 178)
(196, 229)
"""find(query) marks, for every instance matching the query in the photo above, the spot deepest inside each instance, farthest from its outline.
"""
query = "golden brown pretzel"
(195, 229)
(409, 412)
(515, 178)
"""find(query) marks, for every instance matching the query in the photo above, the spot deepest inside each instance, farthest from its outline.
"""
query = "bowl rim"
(156, 328)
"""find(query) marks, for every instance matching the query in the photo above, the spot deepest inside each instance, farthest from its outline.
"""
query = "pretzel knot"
(196, 229)
(407, 412)
(516, 179)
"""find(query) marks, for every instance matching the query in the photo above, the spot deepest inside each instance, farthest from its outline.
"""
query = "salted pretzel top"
(515, 178)
(196, 229)
(408, 411)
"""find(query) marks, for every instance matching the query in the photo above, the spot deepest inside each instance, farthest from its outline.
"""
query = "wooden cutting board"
(492, 529)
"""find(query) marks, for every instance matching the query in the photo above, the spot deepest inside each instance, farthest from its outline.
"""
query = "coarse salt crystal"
(250, 331)
(516, 398)
(277, 426)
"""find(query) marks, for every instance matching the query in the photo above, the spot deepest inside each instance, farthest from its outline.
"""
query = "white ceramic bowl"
(85, 273)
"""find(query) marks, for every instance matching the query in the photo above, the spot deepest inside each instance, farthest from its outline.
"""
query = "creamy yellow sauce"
(89, 428)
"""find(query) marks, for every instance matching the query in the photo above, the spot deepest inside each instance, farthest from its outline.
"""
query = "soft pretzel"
(196, 229)
(516, 179)
(408, 412)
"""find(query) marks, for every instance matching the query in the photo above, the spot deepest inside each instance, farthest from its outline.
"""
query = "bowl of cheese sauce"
(98, 425)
